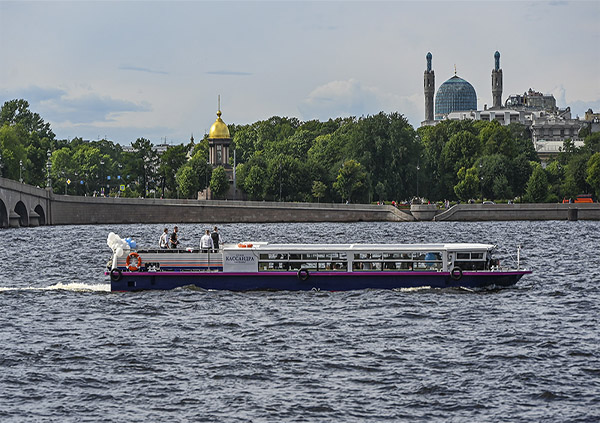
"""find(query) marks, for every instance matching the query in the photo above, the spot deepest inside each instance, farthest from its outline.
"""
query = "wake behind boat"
(301, 267)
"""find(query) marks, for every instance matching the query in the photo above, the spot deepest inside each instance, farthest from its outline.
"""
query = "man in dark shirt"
(216, 237)
(173, 241)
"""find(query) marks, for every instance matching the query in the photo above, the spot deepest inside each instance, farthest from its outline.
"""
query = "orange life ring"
(133, 268)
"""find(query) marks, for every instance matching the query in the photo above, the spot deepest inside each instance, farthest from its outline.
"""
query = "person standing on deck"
(173, 241)
(206, 242)
(216, 238)
(163, 242)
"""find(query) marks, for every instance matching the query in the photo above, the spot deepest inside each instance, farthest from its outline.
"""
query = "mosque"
(456, 100)
(456, 94)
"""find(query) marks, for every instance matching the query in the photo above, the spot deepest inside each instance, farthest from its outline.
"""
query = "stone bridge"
(23, 205)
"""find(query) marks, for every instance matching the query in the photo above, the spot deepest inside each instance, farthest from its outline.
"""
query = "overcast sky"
(124, 70)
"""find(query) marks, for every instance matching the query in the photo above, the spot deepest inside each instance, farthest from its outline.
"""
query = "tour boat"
(301, 267)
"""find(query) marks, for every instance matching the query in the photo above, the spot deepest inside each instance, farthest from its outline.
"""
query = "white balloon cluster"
(117, 244)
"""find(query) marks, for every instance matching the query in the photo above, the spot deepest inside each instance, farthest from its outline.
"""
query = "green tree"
(15, 112)
(35, 135)
(187, 181)
(575, 175)
(219, 182)
(254, 183)
(350, 180)
(468, 185)
(318, 190)
(145, 162)
(497, 139)
(593, 173)
(537, 186)
(12, 149)
(380, 191)
(169, 162)
(556, 174)
(501, 188)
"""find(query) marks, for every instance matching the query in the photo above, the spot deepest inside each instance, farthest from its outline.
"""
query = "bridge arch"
(3, 215)
(40, 211)
(21, 210)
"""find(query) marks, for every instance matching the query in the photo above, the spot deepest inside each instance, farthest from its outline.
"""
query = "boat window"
(463, 256)
(390, 256)
(309, 266)
(309, 256)
(273, 256)
(477, 256)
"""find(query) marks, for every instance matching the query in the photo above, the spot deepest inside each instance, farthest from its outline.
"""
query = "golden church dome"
(219, 128)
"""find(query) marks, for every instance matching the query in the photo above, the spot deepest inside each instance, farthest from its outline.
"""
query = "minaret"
(497, 83)
(429, 82)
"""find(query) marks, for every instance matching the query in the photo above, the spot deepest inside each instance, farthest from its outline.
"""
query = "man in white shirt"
(206, 242)
(163, 242)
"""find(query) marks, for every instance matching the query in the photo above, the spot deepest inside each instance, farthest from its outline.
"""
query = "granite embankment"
(537, 211)
(25, 205)
(90, 210)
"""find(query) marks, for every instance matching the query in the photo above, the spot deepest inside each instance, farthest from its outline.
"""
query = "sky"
(154, 69)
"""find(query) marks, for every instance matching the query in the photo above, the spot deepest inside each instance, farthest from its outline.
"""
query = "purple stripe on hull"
(327, 281)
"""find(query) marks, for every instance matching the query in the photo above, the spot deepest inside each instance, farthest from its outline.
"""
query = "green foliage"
(187, 181)
(593, 173)
(468, 184)
(592, 142)
(501, 188)
(168, 164)
(280, 158)
(350, 179)
(537, 186)
(12, 149)
(219, 182)
(254, 183)
(318, 190)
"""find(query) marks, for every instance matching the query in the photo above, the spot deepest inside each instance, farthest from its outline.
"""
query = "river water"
(74, 352)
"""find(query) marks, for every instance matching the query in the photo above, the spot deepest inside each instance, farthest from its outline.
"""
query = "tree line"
(365, 159)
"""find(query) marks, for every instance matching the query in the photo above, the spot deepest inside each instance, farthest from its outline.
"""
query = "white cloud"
(352, 98)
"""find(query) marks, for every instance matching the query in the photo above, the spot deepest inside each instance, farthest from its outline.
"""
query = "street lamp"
(418, 180)
(21, 171)
(481, 180)
(280, 181)
(100, 185)
(48, 168)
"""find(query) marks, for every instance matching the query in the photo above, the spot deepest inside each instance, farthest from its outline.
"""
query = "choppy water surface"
(74, 352)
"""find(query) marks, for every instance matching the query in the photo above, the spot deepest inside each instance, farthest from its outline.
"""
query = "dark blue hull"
(325, 281)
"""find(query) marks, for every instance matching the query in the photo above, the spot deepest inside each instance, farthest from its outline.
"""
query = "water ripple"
(73, 351)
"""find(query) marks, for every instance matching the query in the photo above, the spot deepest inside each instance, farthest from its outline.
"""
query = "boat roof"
(267, 247)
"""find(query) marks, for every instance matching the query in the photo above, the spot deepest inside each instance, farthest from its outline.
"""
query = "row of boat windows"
(273, 266)
(417, 261)
(409, 255)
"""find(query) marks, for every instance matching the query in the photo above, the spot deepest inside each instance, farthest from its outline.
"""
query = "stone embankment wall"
(67, 210)
(538, 211)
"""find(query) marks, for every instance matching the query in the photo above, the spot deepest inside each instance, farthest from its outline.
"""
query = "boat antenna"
(518, 256)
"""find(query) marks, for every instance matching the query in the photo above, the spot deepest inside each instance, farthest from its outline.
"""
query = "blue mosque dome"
(454, 95)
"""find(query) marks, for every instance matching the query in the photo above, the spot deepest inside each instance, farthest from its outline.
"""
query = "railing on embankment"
(537, 211)
(67, 210)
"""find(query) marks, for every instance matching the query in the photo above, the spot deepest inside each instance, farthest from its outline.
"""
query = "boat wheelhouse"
(332, 267)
